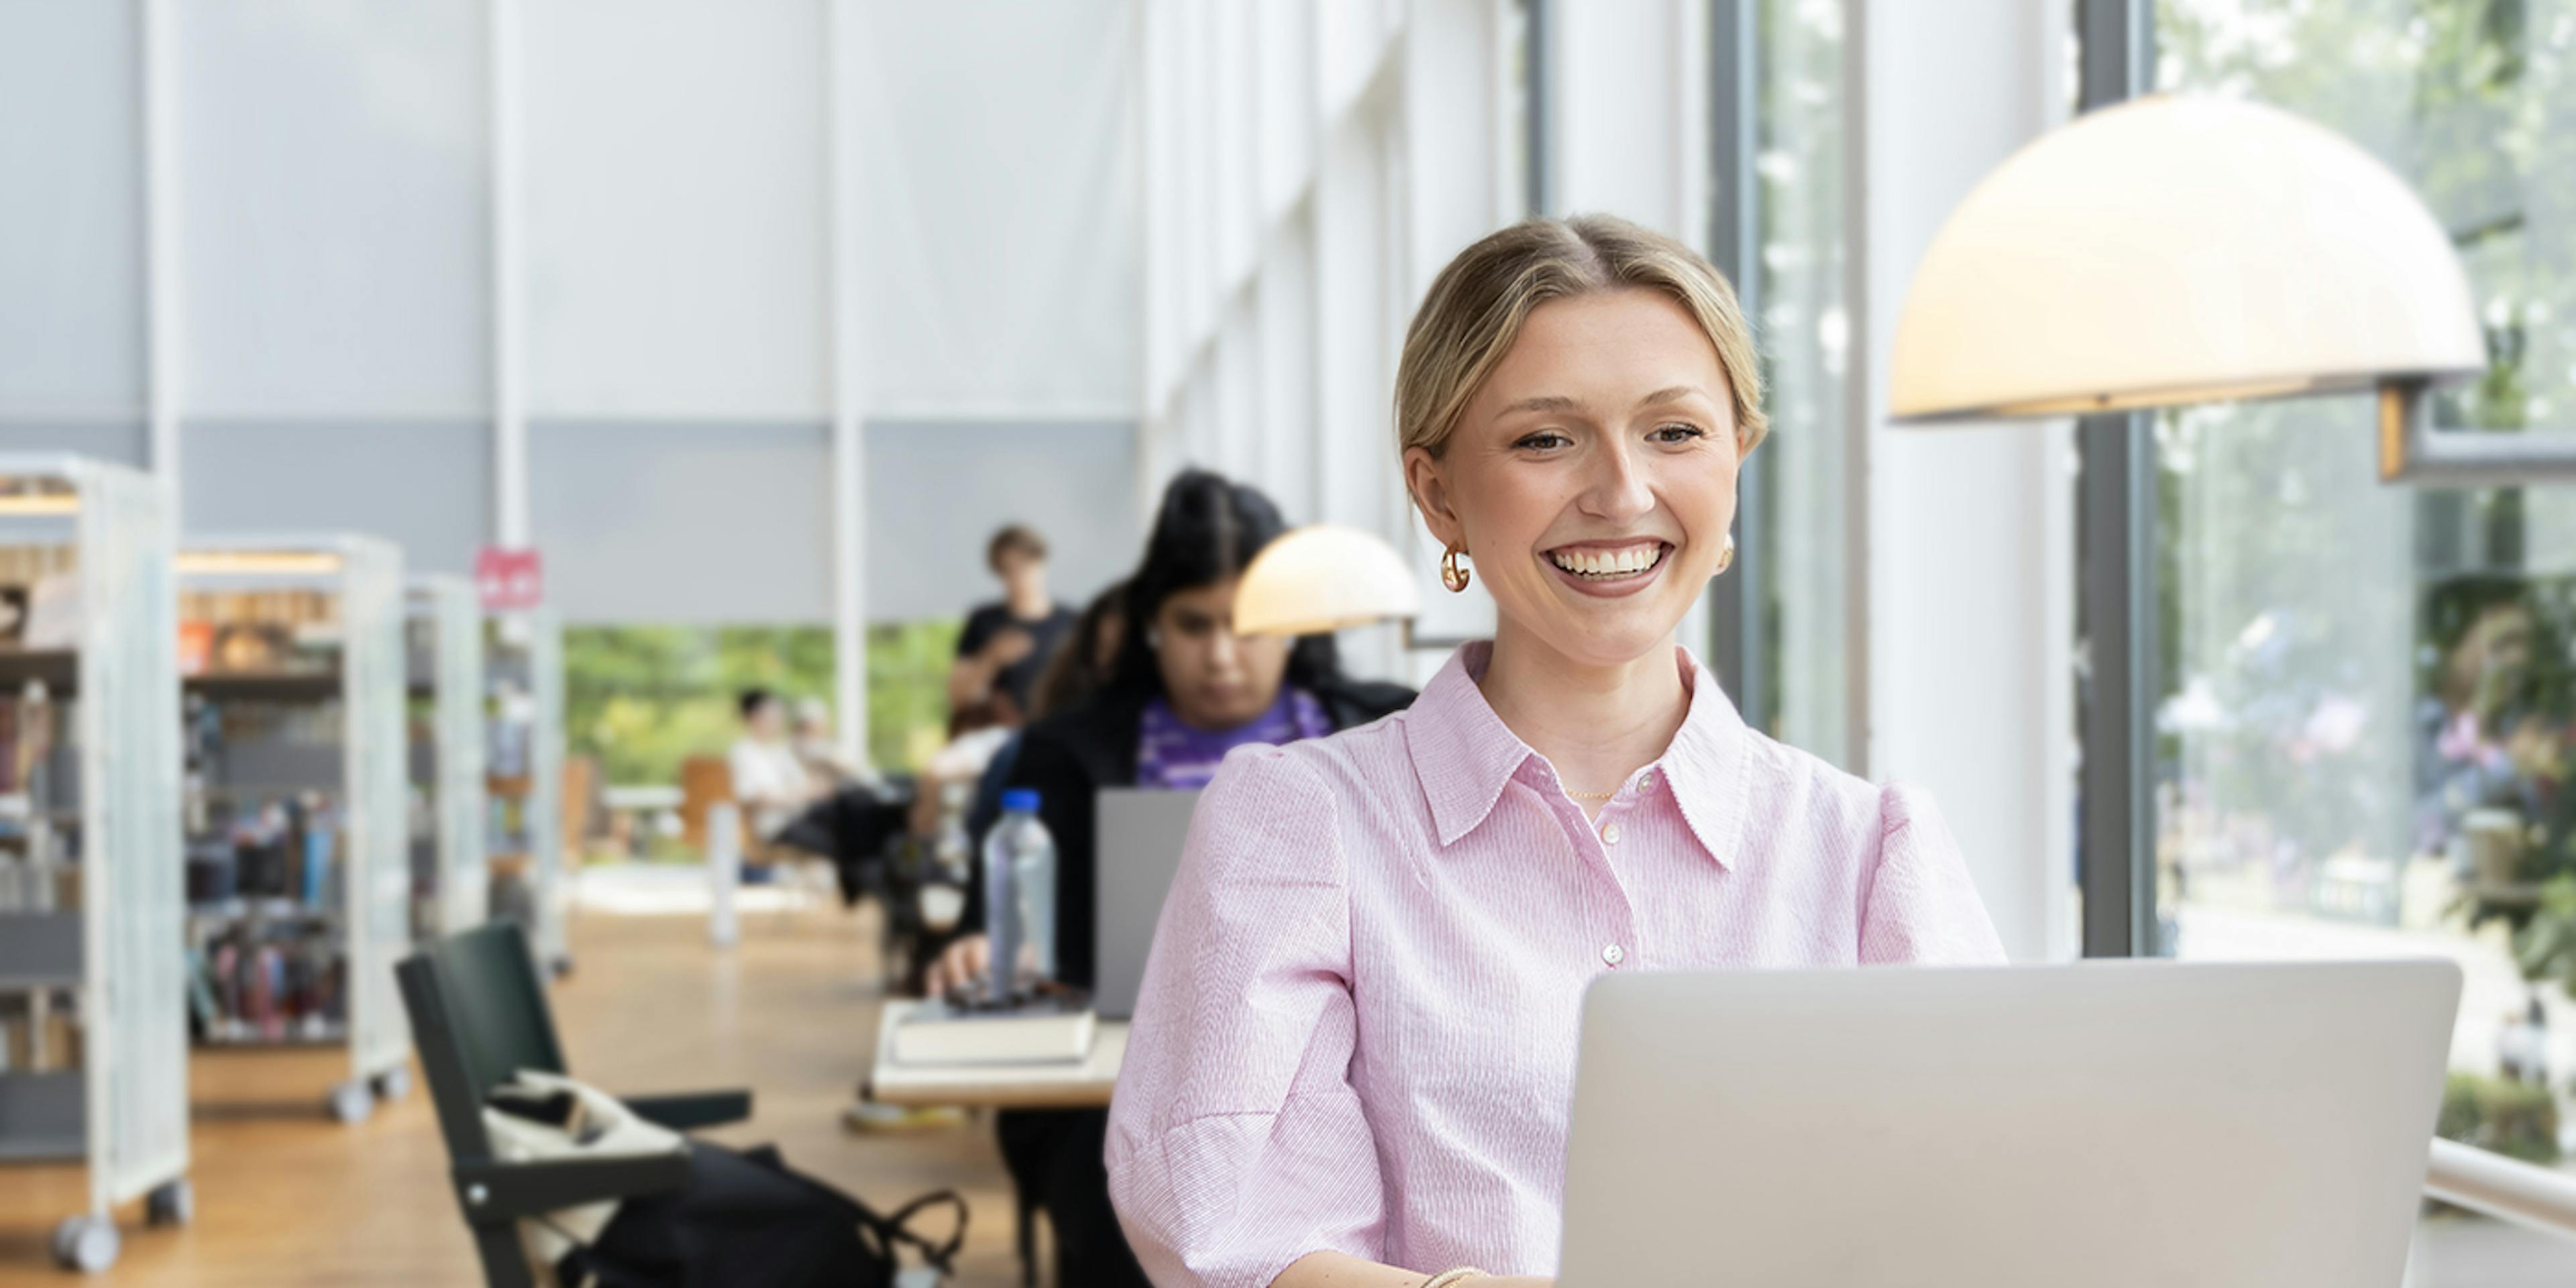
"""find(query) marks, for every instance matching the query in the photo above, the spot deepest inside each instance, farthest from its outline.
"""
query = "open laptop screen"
(1140, 837)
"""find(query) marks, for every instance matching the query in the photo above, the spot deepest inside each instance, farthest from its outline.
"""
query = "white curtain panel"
(677, 232)
(334, 217)
(998, 147)
(71, 224)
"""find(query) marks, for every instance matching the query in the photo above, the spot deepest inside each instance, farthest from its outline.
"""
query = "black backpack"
(745, 1220)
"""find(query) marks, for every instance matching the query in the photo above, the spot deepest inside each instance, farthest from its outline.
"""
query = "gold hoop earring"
(1726, 557)
(1452, 574)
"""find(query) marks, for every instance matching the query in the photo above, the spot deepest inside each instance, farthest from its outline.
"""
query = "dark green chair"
(478, 1016)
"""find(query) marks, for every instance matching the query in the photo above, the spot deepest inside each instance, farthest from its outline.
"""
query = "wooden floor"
(288, 1198)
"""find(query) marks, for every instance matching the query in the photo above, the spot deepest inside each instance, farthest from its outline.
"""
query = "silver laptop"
(2114, 1125)
(1140, 835)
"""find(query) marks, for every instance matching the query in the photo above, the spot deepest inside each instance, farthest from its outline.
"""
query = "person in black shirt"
(1006, 644)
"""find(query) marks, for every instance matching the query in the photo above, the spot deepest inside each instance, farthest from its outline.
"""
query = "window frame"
(1735, 645)
(2115, 518)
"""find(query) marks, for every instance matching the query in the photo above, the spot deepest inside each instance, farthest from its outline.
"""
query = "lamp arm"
(2412, 451)
(2500, 1187)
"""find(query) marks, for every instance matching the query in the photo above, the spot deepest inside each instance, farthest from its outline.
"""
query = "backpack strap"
(898, 1226)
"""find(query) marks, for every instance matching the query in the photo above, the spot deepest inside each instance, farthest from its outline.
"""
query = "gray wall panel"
(937, 490)
(126, 443)
(683, 523)
(426, 486)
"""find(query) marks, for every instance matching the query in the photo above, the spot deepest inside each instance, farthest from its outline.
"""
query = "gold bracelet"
(1453, 1278)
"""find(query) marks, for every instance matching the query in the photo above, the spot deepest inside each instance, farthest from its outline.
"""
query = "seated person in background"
(1185, 690)
(2483, 741)
(1005, 645)
(769, 781)
(974, 734)
(855, 812)
(820, 753)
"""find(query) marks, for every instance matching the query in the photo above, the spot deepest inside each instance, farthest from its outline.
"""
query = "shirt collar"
(1464, 753)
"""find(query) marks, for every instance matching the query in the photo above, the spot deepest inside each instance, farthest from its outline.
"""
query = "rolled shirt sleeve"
(1922, 906)
(1236, 1143)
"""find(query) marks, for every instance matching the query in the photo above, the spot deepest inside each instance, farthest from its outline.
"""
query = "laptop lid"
(2116, 1125)
(1140, 835)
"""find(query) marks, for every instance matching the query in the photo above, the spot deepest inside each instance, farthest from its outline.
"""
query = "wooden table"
(1082, 1084)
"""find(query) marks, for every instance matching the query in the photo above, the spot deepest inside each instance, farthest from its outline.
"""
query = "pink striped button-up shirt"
(1358, 1025)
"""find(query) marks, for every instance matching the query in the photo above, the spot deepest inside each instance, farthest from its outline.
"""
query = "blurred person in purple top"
(1353, 1058)
(1173, 754)
(1183, 690)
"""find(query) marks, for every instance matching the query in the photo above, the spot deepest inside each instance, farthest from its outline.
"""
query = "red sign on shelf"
(510, 580)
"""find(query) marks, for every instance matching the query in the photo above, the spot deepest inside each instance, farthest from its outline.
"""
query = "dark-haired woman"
(1186, 689)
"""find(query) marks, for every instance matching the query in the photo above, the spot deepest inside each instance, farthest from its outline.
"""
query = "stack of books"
(937, 1033)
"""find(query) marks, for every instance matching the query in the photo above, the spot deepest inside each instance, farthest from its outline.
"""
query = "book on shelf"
(935, 1033)
(196, 646)
(53, 613)
(267, 983)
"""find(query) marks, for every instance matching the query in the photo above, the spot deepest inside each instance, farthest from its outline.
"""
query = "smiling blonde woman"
(1354, 1054)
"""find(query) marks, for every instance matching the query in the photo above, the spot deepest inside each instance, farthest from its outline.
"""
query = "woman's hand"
(1340, 1270)
(967, 961)
(962, 964)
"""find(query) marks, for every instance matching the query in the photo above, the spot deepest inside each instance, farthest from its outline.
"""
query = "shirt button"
(1609, 834)
(1614, 954)
(1646, 781)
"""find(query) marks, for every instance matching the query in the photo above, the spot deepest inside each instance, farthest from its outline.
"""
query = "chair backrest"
(583, 820)
(478, 1016)
(704, 780)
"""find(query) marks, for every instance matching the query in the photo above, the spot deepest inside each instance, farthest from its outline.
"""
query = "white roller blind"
(333, 166)
(675, 207)
(998, 154)
(71, 240)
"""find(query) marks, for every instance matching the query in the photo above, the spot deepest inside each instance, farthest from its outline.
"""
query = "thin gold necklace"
(1590, 796)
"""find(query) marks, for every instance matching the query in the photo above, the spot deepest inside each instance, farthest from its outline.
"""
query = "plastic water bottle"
(1019, 895)
(1035, 880)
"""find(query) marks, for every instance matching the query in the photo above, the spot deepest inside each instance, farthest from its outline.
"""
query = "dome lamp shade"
(2173, 250)
(1324, 578)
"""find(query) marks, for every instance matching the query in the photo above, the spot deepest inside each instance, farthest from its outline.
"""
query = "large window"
(1797, 528)
(2368, 719)
(1524, 170)
(642, 699)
